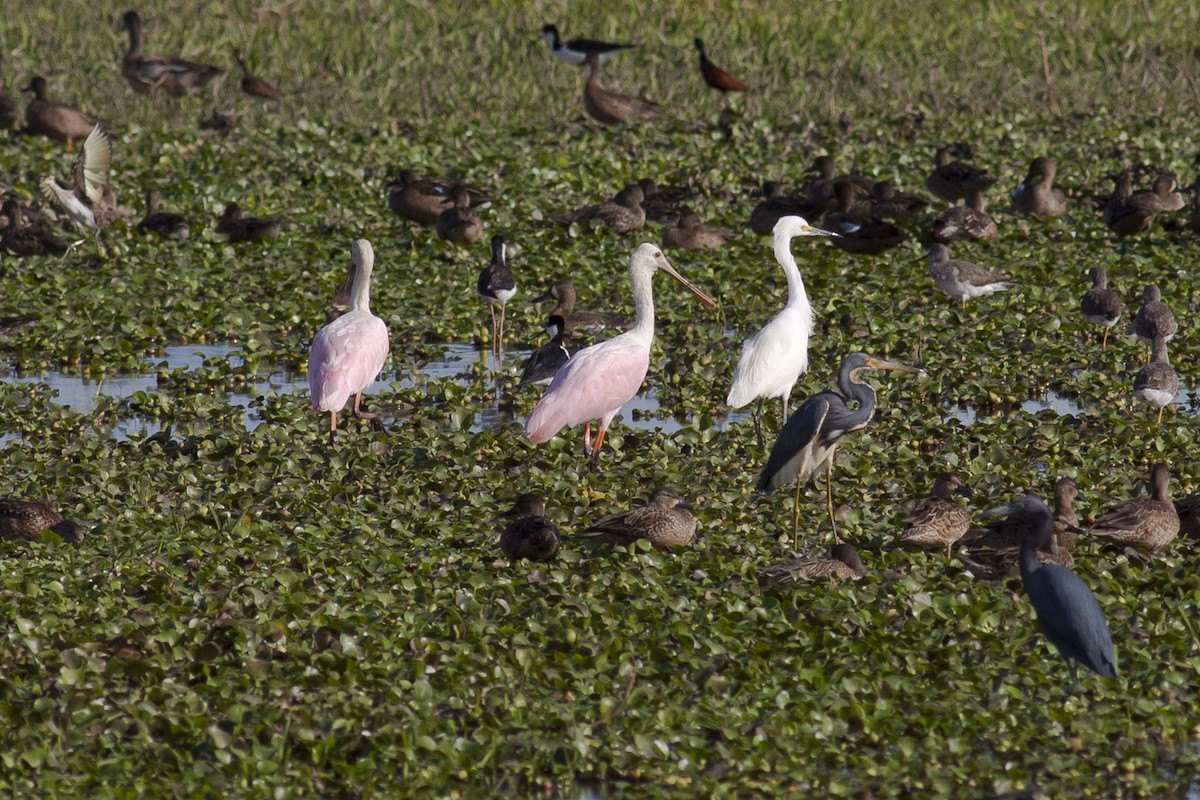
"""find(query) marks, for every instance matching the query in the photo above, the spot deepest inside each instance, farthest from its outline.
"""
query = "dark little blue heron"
(811, 434)
(1067, 611)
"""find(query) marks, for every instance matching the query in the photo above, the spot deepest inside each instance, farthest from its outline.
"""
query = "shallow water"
(460, 362)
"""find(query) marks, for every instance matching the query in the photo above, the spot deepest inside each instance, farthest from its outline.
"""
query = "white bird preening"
(773, 359)
(348, 353)
(598, 380)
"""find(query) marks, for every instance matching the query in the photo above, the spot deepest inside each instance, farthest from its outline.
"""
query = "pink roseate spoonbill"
(598, 380)
(773, 359)
(348, 353)
(497, 286)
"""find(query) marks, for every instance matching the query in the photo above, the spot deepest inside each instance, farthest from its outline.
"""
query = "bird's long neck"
(1158, 352)
(642, 282)
(135, 39)
(360, 293)
(859, 391)
(797, 297)
(1037, 538)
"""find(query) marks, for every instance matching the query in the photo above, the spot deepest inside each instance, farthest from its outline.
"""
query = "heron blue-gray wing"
(1071, 619)
(808, 425)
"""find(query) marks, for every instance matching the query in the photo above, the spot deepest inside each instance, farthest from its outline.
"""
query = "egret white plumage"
(773, 359)
(598, 380)
(811, 435)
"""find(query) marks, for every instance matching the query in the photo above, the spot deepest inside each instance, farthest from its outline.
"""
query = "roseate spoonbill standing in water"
(811, 435)
(598, 380)
(497, 286)
(348, 353)
(773, 359)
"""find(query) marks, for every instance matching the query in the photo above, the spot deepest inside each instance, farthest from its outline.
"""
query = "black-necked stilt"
(544, 363)
(497, 286)
(576, 51)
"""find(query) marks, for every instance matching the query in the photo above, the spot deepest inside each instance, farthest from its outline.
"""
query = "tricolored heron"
(811, 435)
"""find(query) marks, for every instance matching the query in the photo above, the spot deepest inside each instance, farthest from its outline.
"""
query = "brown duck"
(253, 85)
(665, 520)
(1143, 522)
(166, 224)
(241, 228)
(938, 520)
(956, 181)
(56, 120)
(530, 535)
(460, 223)
(994, 551)
(842, 563)
(21, 239)
(147, 74)
(775, 205)
(591, 321)
(1037, 195)
(424, 199)
(965, 223)
(622, 214)
(26, 519)
(610, 107)
(858, 232)
(692, 234)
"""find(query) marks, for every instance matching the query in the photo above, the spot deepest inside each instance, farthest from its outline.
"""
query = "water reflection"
(462, 363)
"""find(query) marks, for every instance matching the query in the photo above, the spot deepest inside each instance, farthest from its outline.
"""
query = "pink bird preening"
(598, 380)
(348, 353)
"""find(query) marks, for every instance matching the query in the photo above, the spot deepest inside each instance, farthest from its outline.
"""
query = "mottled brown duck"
(530, 535)
(822, 189)
(253, 85)
(55, 120)
(1130, 213)
(148, 74)
(965, 223)
(775, 205)
(20, 239)
(26, 519)
(1101, 305)
(166, 224)
(563, 293)
(663, 204)
(665, 520)
(964, 280)
(1037, 195)
(610, 107)
(461, 222)
(692, 234)
(1188, 509)
(994, 551)
(1146, 523)
(859, 232)
(888, 202)
(238, 227)
(424, 199)
(622, 214)
(842, 563)
(939, 520)
(956, 181)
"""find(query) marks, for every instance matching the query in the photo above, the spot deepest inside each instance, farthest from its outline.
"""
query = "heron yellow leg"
(829, 502)
(796, 512)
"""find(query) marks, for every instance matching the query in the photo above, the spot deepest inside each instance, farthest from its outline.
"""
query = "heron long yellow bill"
(879, 363)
